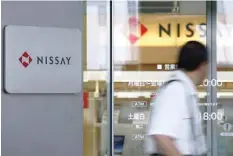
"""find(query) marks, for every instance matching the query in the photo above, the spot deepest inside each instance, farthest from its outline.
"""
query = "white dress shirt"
(170, 116)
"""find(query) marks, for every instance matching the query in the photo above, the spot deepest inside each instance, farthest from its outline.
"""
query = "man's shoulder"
(174, 87)
(172, 96)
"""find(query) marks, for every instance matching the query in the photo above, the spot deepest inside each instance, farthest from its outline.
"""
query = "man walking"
(175, 128)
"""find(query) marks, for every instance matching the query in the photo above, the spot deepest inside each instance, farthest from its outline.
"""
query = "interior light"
(143, 76)
(148, 94)
(132, 94)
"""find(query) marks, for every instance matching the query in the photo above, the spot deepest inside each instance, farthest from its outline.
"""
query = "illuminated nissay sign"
(188, 30)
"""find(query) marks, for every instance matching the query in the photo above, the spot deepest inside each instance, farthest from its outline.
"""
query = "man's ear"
(202, 65)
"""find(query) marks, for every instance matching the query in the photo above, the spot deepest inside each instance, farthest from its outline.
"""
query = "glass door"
(146, 36)
(96, 79)
(223, 129)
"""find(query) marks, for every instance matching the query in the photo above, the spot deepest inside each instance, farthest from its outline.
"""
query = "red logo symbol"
(136, 30)
(25, 59)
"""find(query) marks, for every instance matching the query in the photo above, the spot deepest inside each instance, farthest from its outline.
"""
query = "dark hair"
(192, 55)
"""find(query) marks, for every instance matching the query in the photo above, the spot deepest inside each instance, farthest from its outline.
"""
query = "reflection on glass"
(224, 33)
(95, 78)
(224, 127)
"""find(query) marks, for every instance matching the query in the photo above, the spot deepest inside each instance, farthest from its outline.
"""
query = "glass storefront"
(131, 48)
(223, 131)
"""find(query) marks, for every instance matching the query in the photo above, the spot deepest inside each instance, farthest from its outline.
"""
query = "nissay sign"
(162, 30)
(172, 30)
(26, 59)
(178, 30)
(43, 60)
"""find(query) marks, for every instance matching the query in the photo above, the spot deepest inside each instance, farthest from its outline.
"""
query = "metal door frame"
(211, 12)
(110, 82)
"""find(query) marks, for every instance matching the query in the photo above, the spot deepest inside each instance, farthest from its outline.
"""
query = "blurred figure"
(175, 128)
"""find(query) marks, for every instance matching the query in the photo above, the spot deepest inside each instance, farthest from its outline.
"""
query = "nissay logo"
(25, 59)
(134, 30)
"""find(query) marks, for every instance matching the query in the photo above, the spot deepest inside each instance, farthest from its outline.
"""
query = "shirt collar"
(180, 75)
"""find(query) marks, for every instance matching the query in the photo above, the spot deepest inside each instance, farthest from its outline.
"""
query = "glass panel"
(95, 79)
(224, 127)
(145, 50)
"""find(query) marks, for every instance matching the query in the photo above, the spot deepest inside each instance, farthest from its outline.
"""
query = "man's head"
(193, 59)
